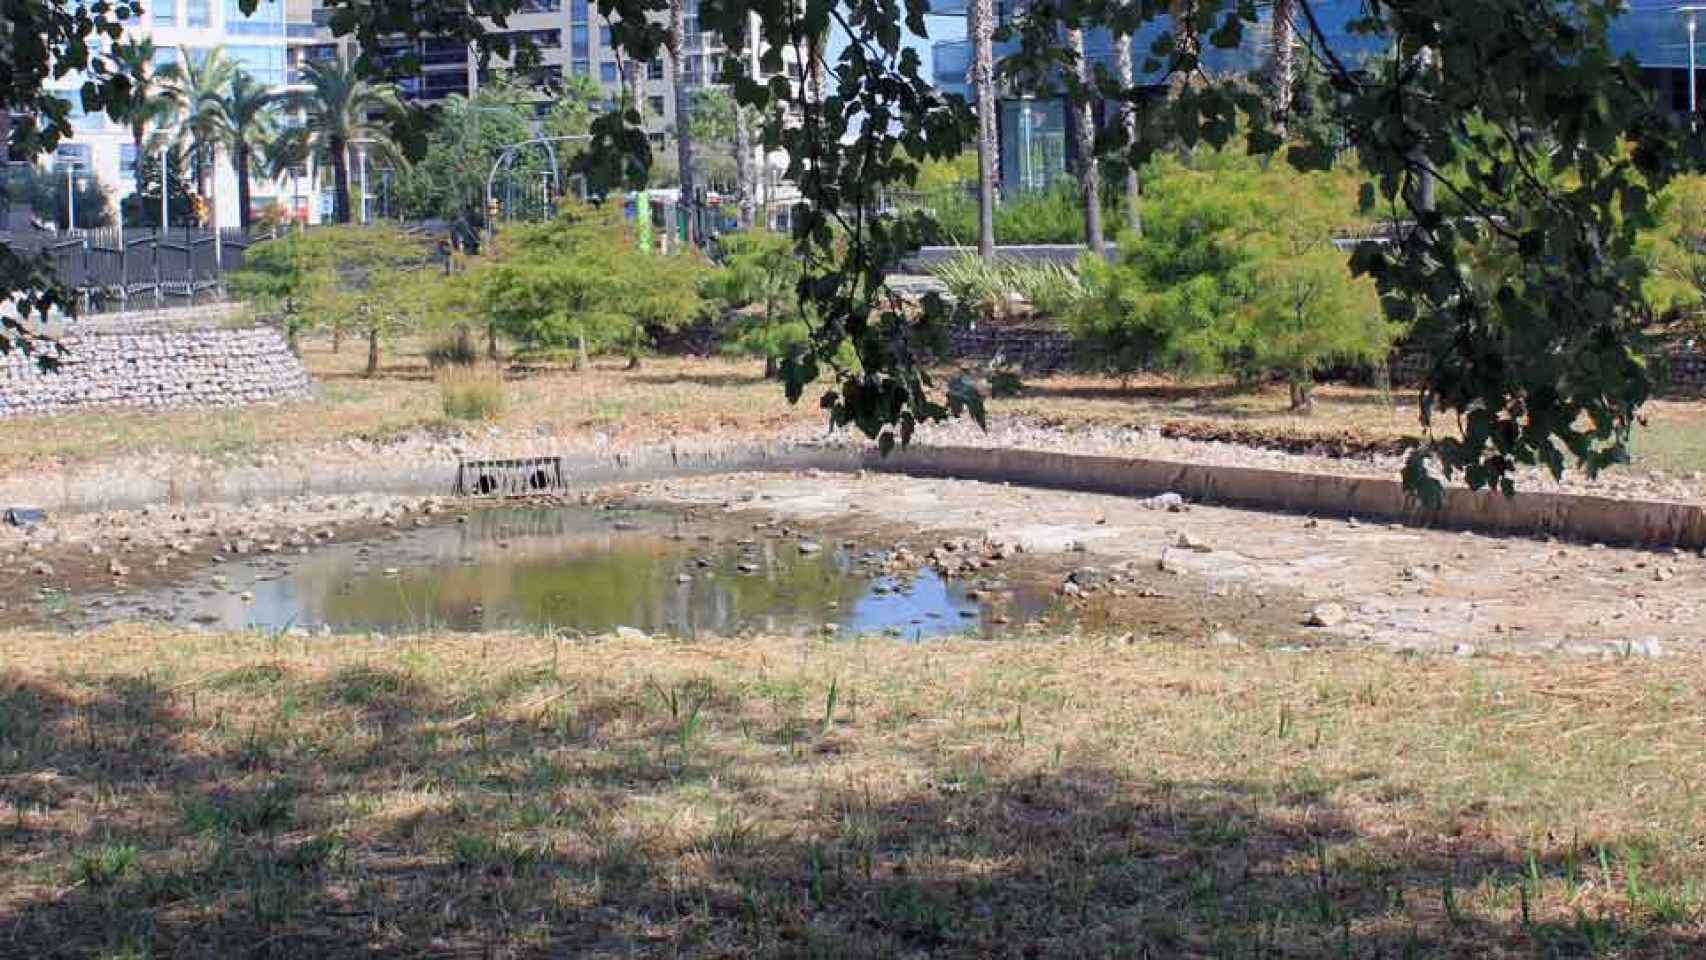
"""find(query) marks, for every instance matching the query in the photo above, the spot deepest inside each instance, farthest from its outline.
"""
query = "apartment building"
(267, 44)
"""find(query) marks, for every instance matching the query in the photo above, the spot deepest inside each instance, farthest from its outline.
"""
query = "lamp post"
(1692, 11)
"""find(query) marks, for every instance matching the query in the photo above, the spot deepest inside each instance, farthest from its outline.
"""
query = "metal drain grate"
(508, 478)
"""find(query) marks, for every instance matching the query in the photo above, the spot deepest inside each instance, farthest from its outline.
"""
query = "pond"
(589, 570)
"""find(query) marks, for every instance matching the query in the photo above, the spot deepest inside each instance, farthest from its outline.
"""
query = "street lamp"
(1693, 12)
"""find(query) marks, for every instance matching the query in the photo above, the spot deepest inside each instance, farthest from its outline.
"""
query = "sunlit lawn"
(174, 794)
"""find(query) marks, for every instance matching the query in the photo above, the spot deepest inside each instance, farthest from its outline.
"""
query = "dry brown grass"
(177, 794)
(668, 395)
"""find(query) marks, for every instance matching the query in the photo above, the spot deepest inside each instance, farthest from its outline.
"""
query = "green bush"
(1055, 215)
(580, 277)
(757, 282)
(985, 287)
(454, 348)
(1236, 272)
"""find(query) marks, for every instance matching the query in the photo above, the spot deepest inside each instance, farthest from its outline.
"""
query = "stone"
(747, 567)
(1462, 650)
(246, 596)
(116, 569)
(1327, 614)
(630, 633)
(683, 578)
(1225, 638)
(42, 568)
(1189, 541)
(810, 546)
(1088, 576)
(1170, 502)
(1663, 572)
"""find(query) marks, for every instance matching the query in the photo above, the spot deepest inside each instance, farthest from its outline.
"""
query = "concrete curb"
(1572, 516)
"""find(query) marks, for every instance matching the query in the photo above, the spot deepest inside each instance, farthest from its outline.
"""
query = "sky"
(941, 28)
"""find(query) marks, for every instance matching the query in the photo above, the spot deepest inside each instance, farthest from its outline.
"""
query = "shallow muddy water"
(583, 569)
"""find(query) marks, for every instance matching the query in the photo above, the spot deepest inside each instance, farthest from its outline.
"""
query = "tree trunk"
(492, 342)
(683, 115)
(581, 362)
(1187, 45)
(634, 361)
(1285, 64)
(340, 181)
(772, 366)
(372, 351)
(1302, 394)
(743, 166)
(982, 80)
(1128, 120)
(240, 163)
(141, 178)
(1089, 170)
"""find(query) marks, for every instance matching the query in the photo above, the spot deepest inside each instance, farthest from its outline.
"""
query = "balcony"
(301, 31)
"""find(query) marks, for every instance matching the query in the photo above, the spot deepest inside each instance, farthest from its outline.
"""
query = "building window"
(71, 156)
(577, 11)
(265, 64)
(654, 70)
(656, 104)
(127, 161)
(165, 13)
(267, 20)
(197, 13)
(577, 41)
(607, 72)
(604, 38)
(582, 68)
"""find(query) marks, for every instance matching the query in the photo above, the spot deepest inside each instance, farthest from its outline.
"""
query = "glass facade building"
(1035, 131)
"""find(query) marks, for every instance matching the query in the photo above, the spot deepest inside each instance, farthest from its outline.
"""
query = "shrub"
(472, 392)
(757, 280)
(453, 348)
(1236, 271)
(580, 278)
(986, 288)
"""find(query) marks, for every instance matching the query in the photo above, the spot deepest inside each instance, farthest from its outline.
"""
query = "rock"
(206, 616)
(391, 572)
(1168, 563)
(630, 633)
(747, 567)
(42, 568)
(1648, 647)
(683, 578)
(1462, 650)
(246, 596)
(810, 546)
(1088, 576)
(117, 569)
(1171, 502)
(1188, 541)
(1327, 614)
(1225, 638)
(829, 629)
(1663, 572)
(1418, 573)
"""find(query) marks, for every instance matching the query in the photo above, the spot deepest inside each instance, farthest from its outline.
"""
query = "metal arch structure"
(508, 156)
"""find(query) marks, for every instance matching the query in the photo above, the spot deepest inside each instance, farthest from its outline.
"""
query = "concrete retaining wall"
(1572, 516)
(161, 367)
(1586, 518)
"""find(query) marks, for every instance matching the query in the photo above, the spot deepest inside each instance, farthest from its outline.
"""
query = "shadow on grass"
(630, 827)
(711, 380)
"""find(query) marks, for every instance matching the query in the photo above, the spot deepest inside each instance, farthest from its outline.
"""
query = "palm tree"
(1089, 169)
(1128, 120)
(246, 112)
(1285, 62)
(677, 46)
(1187, 43)
(338, 105)
(149, 100)
(982, 80)
(199, 81)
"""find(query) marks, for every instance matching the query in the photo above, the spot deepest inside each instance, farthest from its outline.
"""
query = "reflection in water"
(587, 570)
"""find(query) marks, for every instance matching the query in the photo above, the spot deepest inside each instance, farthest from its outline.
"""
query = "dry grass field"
(171, 793)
